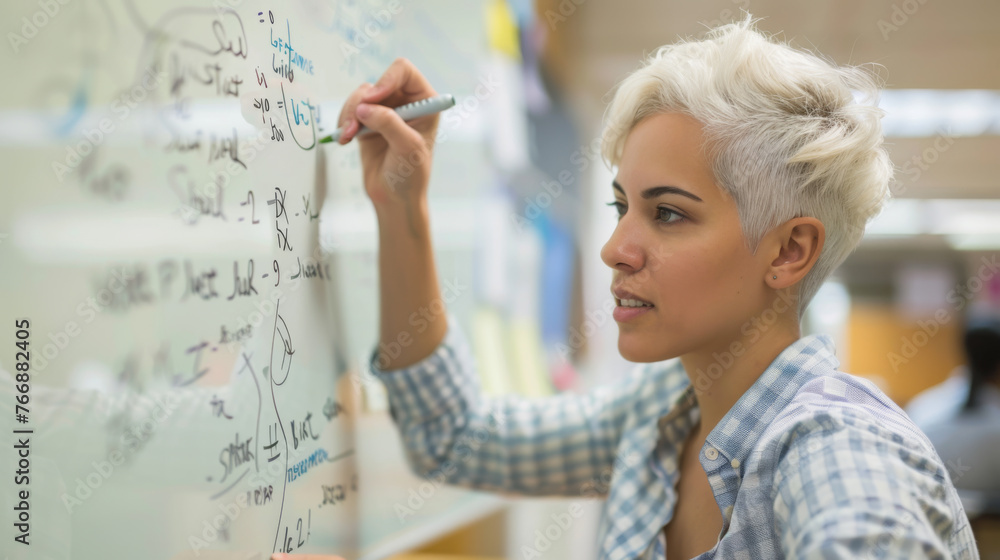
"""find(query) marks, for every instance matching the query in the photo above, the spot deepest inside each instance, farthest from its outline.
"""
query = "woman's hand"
(396, 160)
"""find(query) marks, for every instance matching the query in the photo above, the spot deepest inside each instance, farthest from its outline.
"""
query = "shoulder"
(844, 456)
(848, 415)
(854, 450)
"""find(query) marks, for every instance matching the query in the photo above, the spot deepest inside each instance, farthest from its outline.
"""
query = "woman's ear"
(796, 245)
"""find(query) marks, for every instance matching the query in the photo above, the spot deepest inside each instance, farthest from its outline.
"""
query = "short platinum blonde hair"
(785, 134)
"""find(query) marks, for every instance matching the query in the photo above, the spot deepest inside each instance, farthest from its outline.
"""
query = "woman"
(746, 173)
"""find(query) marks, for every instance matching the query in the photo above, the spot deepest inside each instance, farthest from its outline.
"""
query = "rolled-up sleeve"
(844, 488)
(545, 446)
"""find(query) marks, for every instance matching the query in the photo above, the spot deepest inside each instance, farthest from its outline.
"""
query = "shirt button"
(735, 463)
(712, 453)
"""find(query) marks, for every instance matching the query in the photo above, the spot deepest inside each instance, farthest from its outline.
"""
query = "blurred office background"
(896, 308)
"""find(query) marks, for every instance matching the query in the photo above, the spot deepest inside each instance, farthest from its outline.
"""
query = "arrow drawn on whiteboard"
(281, 329)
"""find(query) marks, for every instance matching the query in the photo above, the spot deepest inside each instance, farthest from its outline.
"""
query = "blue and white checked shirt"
(810, 462)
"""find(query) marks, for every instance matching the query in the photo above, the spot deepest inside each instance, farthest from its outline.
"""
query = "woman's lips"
(622, 314)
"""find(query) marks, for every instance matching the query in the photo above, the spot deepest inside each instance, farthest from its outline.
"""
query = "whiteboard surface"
(199, 279)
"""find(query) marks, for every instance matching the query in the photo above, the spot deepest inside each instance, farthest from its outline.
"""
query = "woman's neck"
(722, 372)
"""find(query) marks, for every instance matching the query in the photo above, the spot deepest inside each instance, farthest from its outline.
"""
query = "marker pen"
(407, 112)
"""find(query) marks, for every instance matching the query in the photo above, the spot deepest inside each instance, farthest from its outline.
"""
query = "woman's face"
(677, 245)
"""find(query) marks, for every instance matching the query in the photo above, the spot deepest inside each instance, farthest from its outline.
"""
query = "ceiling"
(937, 45)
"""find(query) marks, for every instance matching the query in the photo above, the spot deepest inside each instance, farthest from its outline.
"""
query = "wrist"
(401, 212)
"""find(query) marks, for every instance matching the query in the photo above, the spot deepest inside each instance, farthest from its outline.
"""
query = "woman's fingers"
(400, 83)
(347, 116)
(391, 126)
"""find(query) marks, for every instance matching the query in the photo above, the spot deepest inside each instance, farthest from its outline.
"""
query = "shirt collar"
(740, 429)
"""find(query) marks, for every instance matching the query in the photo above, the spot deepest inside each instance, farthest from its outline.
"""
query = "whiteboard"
(192, 279)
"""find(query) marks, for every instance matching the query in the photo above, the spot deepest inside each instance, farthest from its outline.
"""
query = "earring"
(775, 277)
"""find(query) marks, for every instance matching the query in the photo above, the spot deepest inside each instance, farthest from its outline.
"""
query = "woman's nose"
(623, 250)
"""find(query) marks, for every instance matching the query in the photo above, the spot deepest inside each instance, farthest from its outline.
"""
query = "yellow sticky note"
(502, 29)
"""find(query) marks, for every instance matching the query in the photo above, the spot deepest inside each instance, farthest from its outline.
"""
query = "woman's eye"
(669, 211)
(620, 207)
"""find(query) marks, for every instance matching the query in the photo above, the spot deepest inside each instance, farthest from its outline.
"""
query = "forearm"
(408, 284)
(563, 445)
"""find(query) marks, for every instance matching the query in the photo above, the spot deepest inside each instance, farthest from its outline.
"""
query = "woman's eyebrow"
(653, 192)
